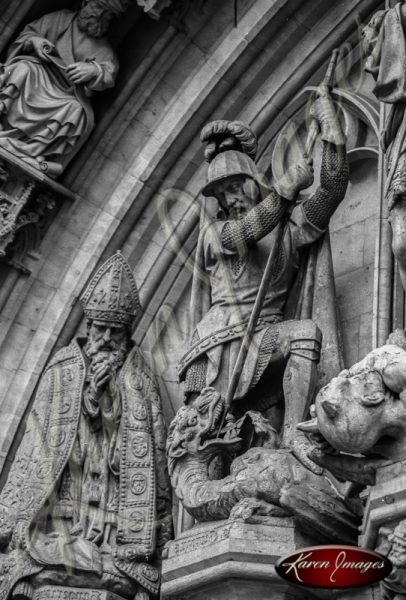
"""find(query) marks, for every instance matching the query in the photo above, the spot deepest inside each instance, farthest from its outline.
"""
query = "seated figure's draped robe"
(45, 119)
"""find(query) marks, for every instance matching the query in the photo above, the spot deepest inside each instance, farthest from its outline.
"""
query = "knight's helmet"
(112, 294)
(231, 150)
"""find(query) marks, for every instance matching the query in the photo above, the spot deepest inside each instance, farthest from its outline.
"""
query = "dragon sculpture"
(263, 481)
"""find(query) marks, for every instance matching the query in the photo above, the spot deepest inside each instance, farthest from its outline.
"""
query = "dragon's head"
(194, 423)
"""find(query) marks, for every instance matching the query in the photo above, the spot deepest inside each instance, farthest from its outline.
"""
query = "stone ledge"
(37, 175)
(56, 592)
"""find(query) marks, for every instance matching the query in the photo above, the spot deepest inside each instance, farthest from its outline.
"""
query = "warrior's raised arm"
(319, 208)
(232, 177)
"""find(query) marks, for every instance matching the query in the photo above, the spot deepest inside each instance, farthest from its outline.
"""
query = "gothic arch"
(146, 144)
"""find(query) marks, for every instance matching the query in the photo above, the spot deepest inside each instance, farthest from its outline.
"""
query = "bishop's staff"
(328, 81)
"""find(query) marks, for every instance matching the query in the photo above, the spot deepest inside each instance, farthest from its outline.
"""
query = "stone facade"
(135, 186)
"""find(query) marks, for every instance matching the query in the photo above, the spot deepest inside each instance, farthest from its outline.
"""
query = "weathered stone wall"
(354, 231)
(173, 80)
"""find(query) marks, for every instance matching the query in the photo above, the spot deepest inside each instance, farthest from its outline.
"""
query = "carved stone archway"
(149, 145)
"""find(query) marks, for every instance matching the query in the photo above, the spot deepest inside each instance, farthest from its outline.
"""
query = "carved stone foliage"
(28, 201)
(87, 501)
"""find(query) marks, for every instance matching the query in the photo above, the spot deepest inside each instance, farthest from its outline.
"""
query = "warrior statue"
(51, 71)
(86, 503)
(264, 469)
(231, 255)
(384, 44)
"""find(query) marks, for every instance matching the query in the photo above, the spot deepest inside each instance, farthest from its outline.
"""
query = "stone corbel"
(28, 201)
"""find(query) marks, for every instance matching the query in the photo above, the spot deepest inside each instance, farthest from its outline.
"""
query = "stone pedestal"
(386, 503)
(232, 561)
(384, 525)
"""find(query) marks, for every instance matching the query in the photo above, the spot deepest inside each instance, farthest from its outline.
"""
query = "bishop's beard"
(100, 352)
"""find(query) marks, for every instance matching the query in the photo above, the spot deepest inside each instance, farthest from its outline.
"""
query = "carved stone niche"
(28, 201)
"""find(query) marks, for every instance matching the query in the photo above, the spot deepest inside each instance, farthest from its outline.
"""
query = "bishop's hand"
(101, 376)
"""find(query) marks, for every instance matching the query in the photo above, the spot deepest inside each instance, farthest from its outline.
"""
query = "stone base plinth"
(56, 592)
(232, 561)
(386, 503)
(384, 523)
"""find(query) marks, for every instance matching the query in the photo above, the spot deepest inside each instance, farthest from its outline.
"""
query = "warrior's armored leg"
(300, 377)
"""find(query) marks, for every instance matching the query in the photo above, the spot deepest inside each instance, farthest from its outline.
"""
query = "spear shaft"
(328, 81)
(269, 268)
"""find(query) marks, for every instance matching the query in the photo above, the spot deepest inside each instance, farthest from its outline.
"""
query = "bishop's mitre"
(112, 294)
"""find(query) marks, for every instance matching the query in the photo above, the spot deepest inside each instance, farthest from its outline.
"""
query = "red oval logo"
(334, 567)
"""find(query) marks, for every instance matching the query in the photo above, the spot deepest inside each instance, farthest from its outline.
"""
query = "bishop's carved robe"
(31, 493)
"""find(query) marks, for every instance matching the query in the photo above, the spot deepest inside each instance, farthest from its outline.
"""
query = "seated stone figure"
(51, 71)
(280, 371)
(87, 500)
